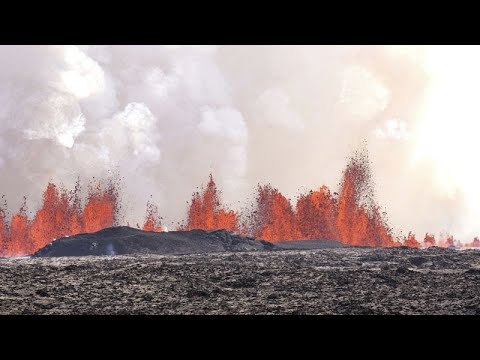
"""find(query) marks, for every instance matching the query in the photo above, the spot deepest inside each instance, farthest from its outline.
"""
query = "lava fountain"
(350, 215)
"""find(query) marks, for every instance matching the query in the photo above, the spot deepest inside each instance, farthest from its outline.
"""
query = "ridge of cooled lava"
(124, 240)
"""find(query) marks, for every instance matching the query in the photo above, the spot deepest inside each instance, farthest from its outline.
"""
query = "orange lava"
(275, 218)
(315, 215)
(474, 244)
(60, 215)
(411, 241)
(359, 220)
(153, 221)
(446, 240)
(205, 211)
(99, 212)
(3, 231)
(350, 216)
(19, 231)
(429, 240)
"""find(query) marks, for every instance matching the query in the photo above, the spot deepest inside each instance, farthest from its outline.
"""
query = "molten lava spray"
(475, 243)
(274, 218)
(153, 220)
(316, 214)
(61, 214)
(165, 116)
(351, 216)
(100, 209)
(411, 241)
(429, 240)
(359, 221)
(206, 212)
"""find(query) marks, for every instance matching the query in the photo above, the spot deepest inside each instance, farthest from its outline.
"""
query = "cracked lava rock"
(318, 281)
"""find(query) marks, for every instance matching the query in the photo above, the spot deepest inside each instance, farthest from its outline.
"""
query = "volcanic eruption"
(350, 215)
(61, 214)
(273, 124)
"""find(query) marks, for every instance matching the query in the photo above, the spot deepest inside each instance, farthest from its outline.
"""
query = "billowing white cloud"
(363, 94)
(139, 122)
(224, 122)
(83, 76)
(276, 109)
(166, 116)
(393, 129)
(65, 120)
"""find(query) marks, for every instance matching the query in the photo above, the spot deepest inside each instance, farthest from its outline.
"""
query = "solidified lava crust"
(321, 281)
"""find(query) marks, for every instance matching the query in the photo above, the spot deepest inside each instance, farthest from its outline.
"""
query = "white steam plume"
(166, 116)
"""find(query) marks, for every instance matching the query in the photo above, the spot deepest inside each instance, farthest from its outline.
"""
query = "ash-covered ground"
(319, 281)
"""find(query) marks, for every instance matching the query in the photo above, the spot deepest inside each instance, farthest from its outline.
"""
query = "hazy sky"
(165, 116)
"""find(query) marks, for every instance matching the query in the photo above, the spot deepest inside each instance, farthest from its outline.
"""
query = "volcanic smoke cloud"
(164, 117)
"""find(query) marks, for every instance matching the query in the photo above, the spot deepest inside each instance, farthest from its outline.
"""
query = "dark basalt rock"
(310, 244)
(123, 240)
(325, 281)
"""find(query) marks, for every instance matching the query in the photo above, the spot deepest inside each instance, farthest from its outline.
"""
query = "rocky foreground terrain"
(318, 281)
